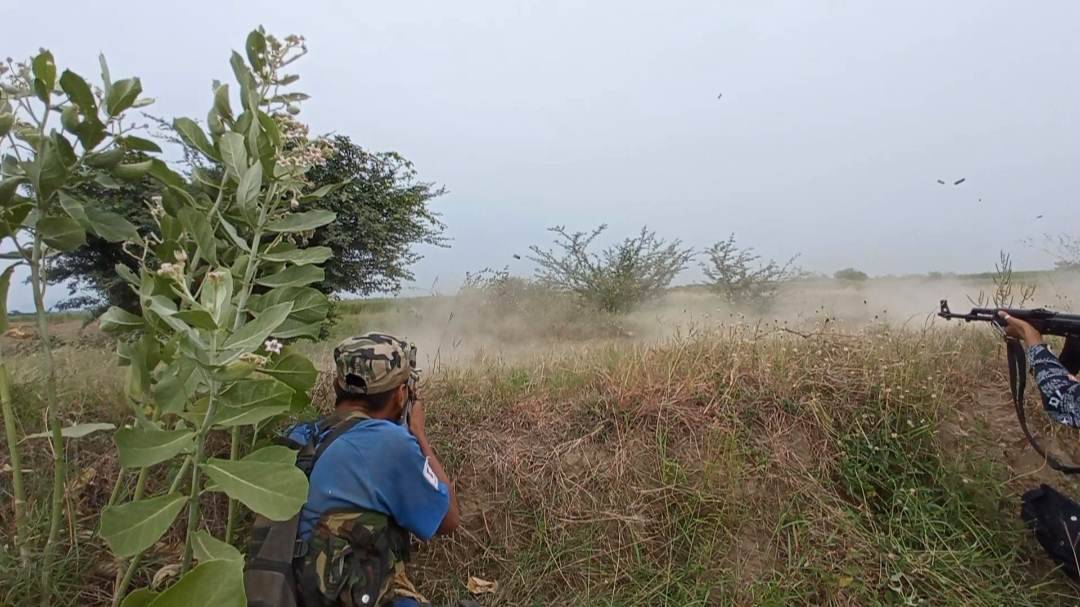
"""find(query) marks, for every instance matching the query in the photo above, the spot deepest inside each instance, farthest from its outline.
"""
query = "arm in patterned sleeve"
(1060, 393)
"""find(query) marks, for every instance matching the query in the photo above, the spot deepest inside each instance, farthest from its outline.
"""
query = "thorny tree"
(739, 275)
(620, 277)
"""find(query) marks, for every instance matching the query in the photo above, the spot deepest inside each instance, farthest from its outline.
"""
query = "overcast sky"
(835, 121)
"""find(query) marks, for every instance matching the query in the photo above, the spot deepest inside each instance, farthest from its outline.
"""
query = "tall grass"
(731, 466)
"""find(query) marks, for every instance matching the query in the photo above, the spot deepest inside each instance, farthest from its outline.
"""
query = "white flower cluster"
(273, 346)
(157, 210)
(175, 271)
(301, 152)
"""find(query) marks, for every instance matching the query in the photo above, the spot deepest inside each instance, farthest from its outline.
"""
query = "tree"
(850, 274)
(620, 277)
(739, 276)
(382, 214)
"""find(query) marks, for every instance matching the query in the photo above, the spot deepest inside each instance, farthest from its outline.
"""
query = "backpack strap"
(340, 426)
(1017, 360)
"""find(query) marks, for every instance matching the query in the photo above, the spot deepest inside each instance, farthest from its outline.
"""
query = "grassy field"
(683, 456)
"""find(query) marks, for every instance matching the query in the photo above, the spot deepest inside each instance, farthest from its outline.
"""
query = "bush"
(740, 277)
(619, 278)
(513, 309)
(850, 274)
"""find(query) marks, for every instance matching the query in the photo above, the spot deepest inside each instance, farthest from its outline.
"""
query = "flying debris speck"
(720, 95)
(942, 182)
(516, 256)
(1038, 217)
(959, 181)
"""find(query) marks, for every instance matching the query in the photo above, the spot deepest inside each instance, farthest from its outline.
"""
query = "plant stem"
(197, 460)
(129, 573)
(234, 454)
(37, 281)
(117, 486)
(245, 293)
(19, 498)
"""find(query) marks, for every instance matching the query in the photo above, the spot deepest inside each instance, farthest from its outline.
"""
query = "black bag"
(1055, 519)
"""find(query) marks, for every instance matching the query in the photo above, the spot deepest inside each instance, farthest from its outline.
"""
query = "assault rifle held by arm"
(414, 378)
(1047, 322)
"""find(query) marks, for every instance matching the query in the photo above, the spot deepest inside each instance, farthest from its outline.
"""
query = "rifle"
(414, 378)
(1046, 322)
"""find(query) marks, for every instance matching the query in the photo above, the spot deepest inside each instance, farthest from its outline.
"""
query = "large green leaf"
(139, 598)
(122, 95)
(117, 320)
(233, 154)
(273, 454)
(247, 193)
(216, 295)
(49, 171)
(7, 120)
(130, 528)
(256, 50)
(176, 385)
(324, 191)
(5, 283)
(62, 233)
(195, 137)
(198, 226)
(142, 447)
(272, 489)
(252, 335)
(111, 226)
(295, 370)
(215, 582)
(221, 101)
(78, 91)
(208, 548)
(74, 431)
(302, 222)
(293, 276)
(106, 159)
(227, 416)
(309, 305)
(162, 173)
(300, 257)
(138, 144)
(200, 319)
(258, 393)
(44, 69)
(133, 171)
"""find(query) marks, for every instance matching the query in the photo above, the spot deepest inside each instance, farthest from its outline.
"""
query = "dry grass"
(738, 465)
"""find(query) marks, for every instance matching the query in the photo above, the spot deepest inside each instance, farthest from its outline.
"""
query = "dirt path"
(986, 426)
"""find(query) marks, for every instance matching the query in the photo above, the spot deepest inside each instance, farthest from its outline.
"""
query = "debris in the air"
(720, 95)
(959, 181)
(1038, 217)
(516, 256)
(941, 182)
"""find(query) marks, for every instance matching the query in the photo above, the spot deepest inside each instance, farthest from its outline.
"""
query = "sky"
(811, 128)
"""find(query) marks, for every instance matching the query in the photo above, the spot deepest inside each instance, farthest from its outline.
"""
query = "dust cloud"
(469, 328)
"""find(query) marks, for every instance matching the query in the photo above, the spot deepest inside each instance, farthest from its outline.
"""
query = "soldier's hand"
(1021, 329)
(416, 420)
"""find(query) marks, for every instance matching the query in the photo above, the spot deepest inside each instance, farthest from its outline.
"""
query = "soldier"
(1060, 391)
(372, 482)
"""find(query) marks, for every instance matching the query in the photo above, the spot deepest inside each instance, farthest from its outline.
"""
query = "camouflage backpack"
(353, 558)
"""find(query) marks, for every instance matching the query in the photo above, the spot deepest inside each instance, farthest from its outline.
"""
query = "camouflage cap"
(373, 363)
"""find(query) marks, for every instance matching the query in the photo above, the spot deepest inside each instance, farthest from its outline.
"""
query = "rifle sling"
(1017, 360)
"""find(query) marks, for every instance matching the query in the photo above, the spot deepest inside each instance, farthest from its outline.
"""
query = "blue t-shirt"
(376, 465)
